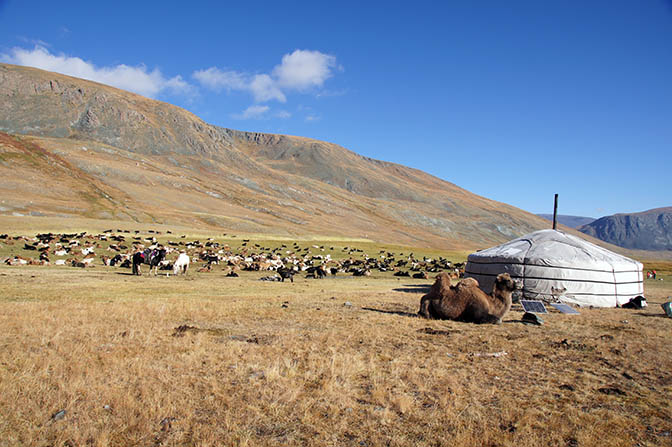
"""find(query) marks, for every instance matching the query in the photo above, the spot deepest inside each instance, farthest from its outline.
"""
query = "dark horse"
(149, 256)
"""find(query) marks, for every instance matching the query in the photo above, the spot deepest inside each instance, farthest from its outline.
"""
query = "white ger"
(555, 266)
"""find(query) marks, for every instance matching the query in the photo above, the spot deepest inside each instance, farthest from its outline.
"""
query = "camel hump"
(442, 283)
(443, 277)
(468, 282)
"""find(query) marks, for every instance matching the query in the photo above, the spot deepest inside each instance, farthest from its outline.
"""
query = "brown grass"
(209, 360)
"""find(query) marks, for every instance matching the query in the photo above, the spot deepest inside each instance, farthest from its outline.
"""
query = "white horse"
(181, 265)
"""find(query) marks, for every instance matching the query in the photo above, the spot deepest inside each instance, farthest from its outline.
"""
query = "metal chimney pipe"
(555, 213)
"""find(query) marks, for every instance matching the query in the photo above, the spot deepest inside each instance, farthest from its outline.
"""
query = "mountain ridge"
(645, 230)
(157, 161)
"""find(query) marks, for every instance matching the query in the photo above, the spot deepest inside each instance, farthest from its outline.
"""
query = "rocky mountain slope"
(648, 230)
(77, 148)
(570, 221)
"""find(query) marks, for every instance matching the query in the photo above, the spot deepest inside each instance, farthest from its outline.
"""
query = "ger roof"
(557, 249)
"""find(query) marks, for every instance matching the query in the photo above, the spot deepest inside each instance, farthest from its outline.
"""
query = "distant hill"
(648, 230)
(570, 221)
(78, 148)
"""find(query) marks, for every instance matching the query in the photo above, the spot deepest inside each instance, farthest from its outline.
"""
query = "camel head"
(502, 292)
(505, 284)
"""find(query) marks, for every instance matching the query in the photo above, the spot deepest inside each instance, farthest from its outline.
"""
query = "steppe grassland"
(339, 361)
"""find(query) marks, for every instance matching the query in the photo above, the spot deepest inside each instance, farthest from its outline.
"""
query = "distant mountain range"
(77, 148)
(569, 221)
(648, 230)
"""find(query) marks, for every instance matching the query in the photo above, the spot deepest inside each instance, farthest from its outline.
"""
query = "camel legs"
(476, 314)
(424, 307)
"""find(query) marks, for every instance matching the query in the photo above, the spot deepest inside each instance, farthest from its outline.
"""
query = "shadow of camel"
(641, 314)
(432, 331)
(392, 312)
(413, 288)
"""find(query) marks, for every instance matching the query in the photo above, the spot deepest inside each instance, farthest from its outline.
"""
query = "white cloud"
(136, 79)
(35, 42)
(300, 71)
(304, 69)
(252, 112)
(283, 114)
(264, 88)
(216, 79)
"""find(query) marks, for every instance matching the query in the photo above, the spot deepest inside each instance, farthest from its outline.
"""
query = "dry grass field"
(98, 357)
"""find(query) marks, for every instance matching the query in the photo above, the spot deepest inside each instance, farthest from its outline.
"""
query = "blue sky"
(512, 100)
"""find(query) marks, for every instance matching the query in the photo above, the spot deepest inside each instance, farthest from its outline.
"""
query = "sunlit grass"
(211, 360)
(281, 363)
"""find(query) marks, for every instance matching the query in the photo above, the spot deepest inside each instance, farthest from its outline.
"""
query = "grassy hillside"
(153, 162)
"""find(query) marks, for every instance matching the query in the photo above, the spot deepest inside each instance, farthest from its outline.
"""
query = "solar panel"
(565, 309)
(534, 306)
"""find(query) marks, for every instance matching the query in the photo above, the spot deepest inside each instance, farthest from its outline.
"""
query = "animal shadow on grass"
(649, 314)
(432, 331)
(414, 288)
(516, 321)
(391, 312)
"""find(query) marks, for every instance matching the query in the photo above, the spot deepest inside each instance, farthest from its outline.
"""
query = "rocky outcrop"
(648, 230)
